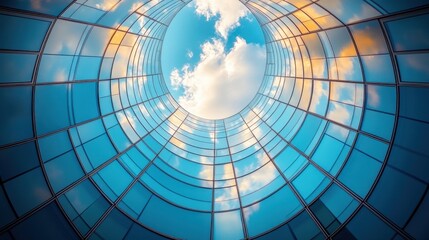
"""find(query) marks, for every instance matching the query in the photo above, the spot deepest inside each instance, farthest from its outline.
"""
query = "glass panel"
(85, 105)
(334, 207)
(17, 159)
(414, 226)
(115, 226)
(64, 37)
(43, 6)
(369, 38)
(97, 41)
(412, 102)
(349, 10)
(27, 191)
(14, 36)
(83, 205)
(271, 211)
(400, 31)
(48, 223)
(6, 210)
(54, 68)
(365, 225)
(135, 200)
(303, 227)
(188, 224)
(87, 68)
(378, 68)
(113, 180)
(15, 107)
(16, 67)
(51, 107)
(310, 182)
(227, 225)
(412, 67)
(358, 164)
(392, 184)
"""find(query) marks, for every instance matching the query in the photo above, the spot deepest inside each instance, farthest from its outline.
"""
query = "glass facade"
(333, 145)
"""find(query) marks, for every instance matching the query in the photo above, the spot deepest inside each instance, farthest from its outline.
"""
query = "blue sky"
(210, 27)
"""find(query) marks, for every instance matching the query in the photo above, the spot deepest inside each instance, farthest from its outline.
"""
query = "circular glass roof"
(332, 144)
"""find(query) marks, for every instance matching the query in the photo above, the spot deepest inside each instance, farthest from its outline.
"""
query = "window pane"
(401, 30)
(52, 107)
(15, 107)
(27, 191)
(16, 67)
(22, 33)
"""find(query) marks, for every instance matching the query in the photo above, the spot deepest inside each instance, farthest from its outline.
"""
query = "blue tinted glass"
(85, 104)
(401, 30)
(115, 226)
(43, 6)
(377, 123)
(394, 6)
(116, 178)
(188, 224)
(329, 154)
(393, 184)
(16, 67)
(307, 132)
(369, 38)
(416, 226)
(271, 211)
(378, 68)
(411, 135)
(357, 164)
(54, 145)
(84, 205)
(222, 225)
(284, 232)
(334, 144)
(365, 225)
(15, 109)
(95, 156)
(136, 199)
(63, 170)
(27, 191)
(412, 102)
(47, 223)
(13, 36)
(334, 207)
(381, 98)
(87, 68)
(310, 182)
(54, 68)
(51, 108)
(64, 37)
(304, 228)
(6, 210)
(412, 67)
(138, 232)
(18, 159)
(84, 13)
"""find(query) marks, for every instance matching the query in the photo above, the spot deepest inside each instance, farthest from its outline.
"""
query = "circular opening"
(213, 58)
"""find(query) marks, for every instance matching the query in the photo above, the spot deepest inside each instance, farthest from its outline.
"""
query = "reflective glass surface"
(332, 146)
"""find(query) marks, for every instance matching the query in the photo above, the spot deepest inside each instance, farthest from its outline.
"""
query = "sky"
(213, 58)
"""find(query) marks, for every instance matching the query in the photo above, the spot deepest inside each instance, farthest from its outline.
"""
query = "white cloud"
(339, 113)
(108, 5)
(320, 90)
(221, 83)
(229, 13)
(190, 54)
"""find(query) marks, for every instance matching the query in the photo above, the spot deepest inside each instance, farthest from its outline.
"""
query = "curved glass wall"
(334, 144)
